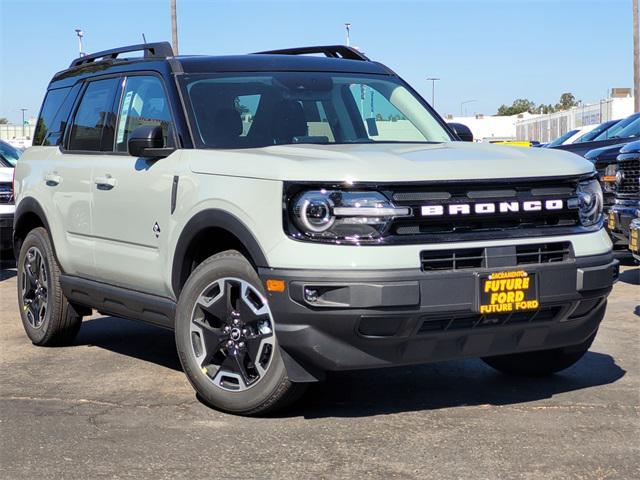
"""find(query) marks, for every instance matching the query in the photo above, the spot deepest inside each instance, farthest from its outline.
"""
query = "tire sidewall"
(37, 238)
(220, 266)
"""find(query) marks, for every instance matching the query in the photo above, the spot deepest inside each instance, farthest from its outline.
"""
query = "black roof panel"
(263, 63)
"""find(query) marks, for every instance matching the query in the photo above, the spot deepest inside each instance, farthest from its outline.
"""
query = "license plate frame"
(519, 292)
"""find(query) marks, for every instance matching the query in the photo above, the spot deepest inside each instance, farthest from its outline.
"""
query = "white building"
(545, 128)
(486, 128)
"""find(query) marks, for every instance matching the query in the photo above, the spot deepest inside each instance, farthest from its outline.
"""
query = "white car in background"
(8, 157)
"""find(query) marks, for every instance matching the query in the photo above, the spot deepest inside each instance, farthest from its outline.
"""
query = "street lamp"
(23, 110)
(433, 81)
(348, 27)
(80, 34)
(464, 103)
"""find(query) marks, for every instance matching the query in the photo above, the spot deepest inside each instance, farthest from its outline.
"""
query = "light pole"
(348, 27)
(80, 34)
(23, 110)
(174, 27)
(433, 81)
(464, 103)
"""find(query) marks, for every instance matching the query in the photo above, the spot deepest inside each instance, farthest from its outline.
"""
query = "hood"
(604, 155)
(389, 162)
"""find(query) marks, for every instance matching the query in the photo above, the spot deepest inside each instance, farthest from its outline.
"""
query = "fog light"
(311, 295)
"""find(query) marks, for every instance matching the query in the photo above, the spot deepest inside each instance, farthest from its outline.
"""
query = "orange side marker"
(274, 285)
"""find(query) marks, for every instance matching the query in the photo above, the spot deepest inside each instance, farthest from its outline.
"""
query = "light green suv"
(290, 214)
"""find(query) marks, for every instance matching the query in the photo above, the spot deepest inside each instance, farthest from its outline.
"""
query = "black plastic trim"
(29, 205)
(117, 301)
(213, 218)
(174, 193)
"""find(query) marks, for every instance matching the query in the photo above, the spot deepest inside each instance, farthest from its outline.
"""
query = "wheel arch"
(194, 243)
(29, 214)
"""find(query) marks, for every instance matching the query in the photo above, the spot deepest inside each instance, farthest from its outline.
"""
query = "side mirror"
(148, 141)
(462, 132)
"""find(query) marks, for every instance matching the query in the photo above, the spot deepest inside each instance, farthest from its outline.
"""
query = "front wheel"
(541, 363)
(226, 339)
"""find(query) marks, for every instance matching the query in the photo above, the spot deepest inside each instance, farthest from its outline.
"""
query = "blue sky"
(492, 51)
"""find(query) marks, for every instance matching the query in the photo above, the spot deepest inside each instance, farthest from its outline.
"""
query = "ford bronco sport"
(291, 214)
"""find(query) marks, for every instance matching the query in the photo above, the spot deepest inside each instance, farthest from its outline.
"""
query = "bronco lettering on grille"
(491, 208)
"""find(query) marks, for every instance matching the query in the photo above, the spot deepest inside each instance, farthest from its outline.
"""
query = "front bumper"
(369, 319)
(619, 218)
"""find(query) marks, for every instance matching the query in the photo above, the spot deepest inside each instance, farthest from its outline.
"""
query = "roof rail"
(332, 51)
(151, 50)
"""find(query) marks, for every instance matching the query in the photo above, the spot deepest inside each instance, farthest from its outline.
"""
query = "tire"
(48, 318)
(540, 363)
(226, 341)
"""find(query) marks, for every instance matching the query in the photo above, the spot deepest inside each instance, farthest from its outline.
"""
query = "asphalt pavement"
(116, 405)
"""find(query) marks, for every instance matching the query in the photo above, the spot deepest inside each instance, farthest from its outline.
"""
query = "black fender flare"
(29, 205)
(213, 218)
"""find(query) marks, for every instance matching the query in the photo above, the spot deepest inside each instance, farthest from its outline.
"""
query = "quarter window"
(143, 103)
(92, 127)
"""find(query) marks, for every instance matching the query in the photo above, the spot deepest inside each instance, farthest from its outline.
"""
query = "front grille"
(543, 253)
(442, 224)
(629, 169)
(474, 258)
(469, 322)
(6, 193)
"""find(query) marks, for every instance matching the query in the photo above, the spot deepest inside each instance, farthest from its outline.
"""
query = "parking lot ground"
(116, 405)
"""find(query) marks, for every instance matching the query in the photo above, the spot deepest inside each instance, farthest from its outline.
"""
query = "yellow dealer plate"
(633, 241)
(508, 292)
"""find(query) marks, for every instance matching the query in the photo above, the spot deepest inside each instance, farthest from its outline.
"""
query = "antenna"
(144, 39)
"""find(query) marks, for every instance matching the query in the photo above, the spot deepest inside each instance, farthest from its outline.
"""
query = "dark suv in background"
(626, 190)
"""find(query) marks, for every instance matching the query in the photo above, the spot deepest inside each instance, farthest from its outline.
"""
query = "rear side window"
(53, 116)
(93, 124)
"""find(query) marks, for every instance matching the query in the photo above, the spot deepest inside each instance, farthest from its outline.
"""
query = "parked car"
(626, 189)
(306, 240)
(615, 135)
(562, 138)
(8, 158)
(597, 131)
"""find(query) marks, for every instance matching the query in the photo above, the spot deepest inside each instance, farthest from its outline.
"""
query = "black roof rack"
(331, 51)
(151, 50)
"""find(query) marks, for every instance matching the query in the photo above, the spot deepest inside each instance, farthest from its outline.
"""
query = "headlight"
(337, 215)
(609, 177)
(590, 202)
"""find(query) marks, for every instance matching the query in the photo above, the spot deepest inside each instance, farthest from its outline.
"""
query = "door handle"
(105, 183)
(52, 179)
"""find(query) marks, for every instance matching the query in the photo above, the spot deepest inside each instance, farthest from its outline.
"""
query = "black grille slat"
(630, 169)
(478, 321)
(475, 258)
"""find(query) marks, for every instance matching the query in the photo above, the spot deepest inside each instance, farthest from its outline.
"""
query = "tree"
(3, 121)
(519, 105)
(567, 100)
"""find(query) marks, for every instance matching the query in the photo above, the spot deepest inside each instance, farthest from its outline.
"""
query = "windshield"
(262, 109)
(616, 130)
(9, 153)
(561, 139)
(603, 127)
(631, 130)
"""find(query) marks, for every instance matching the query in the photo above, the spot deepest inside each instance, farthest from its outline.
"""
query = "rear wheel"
(226, 339)
(48, 318)
(540, 363)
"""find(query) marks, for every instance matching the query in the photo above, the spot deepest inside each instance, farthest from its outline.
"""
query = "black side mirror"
(462, 132)
(148, 141)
